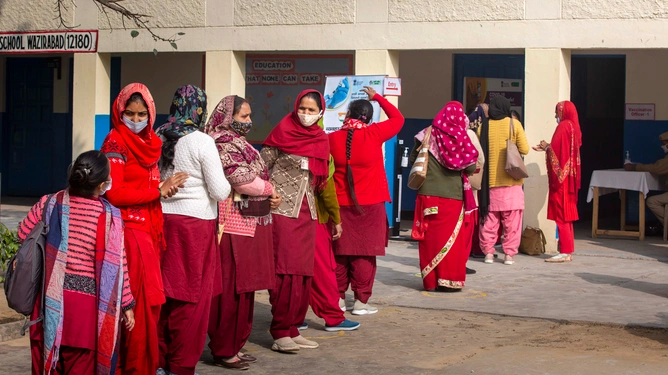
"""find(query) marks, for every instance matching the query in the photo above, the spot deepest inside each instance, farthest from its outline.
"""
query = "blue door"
(34, 162)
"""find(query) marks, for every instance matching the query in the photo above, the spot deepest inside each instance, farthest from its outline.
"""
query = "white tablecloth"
(611, 180)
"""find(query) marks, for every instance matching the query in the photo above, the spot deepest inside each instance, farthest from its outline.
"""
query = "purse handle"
(426, 141)
(512, 128)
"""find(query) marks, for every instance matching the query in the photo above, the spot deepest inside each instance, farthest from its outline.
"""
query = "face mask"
(107, 188)
(308, 120)
(665, 148)
(242, 128)
(558, 120)
(135, 127)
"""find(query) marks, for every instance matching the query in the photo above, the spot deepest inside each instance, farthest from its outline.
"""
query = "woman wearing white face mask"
(133, 150)
(362, 190)
(296, 153)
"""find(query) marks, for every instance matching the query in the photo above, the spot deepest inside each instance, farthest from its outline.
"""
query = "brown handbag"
(514, 163)
(533, 241)
(419, 170)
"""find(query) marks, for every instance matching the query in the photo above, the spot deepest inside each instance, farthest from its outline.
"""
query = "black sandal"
(236, 365)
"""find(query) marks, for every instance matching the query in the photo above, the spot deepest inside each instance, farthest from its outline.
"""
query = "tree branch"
(141, 21)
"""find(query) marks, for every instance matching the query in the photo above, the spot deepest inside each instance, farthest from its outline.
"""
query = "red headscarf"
(563, 156)
(291, 137)
(145, 146)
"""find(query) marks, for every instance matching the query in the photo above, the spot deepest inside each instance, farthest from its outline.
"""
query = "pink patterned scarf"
(451, 145)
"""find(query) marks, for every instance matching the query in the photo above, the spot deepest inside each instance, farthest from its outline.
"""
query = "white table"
(613, 180)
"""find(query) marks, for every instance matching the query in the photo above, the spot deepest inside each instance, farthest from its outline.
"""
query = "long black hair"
(88, 171)
(358, 110)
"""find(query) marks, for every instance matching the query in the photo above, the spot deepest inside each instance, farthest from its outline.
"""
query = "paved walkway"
(611, 283)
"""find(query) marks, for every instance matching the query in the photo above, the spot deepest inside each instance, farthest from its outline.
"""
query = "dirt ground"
(400, 340)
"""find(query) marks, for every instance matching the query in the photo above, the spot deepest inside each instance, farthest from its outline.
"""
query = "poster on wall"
(341, 90)
(481, 90)
(637, 111)
(274, 81)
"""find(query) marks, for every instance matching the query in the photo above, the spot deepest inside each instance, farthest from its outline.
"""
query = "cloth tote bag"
(514, 164)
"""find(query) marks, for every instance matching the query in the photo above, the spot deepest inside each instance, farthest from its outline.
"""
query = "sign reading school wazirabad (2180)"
(49, 41)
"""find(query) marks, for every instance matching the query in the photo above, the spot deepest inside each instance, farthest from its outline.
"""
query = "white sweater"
(197, 155)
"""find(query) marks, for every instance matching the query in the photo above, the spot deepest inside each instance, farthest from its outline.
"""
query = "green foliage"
(9, 245)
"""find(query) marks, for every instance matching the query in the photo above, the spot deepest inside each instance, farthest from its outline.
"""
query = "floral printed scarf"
(186, 115)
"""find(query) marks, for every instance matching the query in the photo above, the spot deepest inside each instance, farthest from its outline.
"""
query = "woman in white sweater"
(190, 264)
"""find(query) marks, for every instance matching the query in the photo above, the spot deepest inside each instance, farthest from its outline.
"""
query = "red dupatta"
(145, 146)
(563, 155)
(291, 137)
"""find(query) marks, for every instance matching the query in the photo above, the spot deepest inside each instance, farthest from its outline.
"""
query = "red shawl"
(563, 155)
(145, 146)
(291, 137)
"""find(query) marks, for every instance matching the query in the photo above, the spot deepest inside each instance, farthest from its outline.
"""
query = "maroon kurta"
(364, 234)
(254, 260)
(231, 319)
(191, 259)
(189, 266)
(294, 243)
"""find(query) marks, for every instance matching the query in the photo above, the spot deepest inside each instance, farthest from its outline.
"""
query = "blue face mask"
(135, 127)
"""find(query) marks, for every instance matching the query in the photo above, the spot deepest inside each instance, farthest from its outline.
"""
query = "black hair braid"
(349, 170)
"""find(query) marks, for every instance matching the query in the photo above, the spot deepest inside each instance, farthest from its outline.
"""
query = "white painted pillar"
(90, 102)
(547, 82)
(225, 75)
(378, 62)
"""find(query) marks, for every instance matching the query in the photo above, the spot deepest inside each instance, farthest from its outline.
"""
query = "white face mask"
(135, 127)
(107, 188)
(665, 148)
(558, 120)
(308, 120)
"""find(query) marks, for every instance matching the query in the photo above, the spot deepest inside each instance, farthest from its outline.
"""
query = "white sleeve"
(212, 171)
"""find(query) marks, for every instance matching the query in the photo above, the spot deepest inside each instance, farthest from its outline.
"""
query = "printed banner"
(341, 90)
(49, 41)
(274, 81)
(481, 90)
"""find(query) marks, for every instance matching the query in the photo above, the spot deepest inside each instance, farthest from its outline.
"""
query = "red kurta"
(366, 158)
(136, 178)
(563, 165)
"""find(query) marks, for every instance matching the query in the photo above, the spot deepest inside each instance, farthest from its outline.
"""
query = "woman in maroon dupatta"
(297, 155)
(563, 171)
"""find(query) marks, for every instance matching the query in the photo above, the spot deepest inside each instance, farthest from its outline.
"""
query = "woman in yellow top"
(501, 197)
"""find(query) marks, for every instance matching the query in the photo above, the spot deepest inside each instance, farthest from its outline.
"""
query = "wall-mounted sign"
(481, 90)
(48, 41)
(392, 86)
(640, 111)
(273, 81)
(340, 91)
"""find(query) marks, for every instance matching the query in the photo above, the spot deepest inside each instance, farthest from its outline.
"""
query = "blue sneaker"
(303, 326)
(346, 325)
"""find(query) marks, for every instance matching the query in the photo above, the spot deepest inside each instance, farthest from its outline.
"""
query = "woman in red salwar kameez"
(563, 172)
(133, 150)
